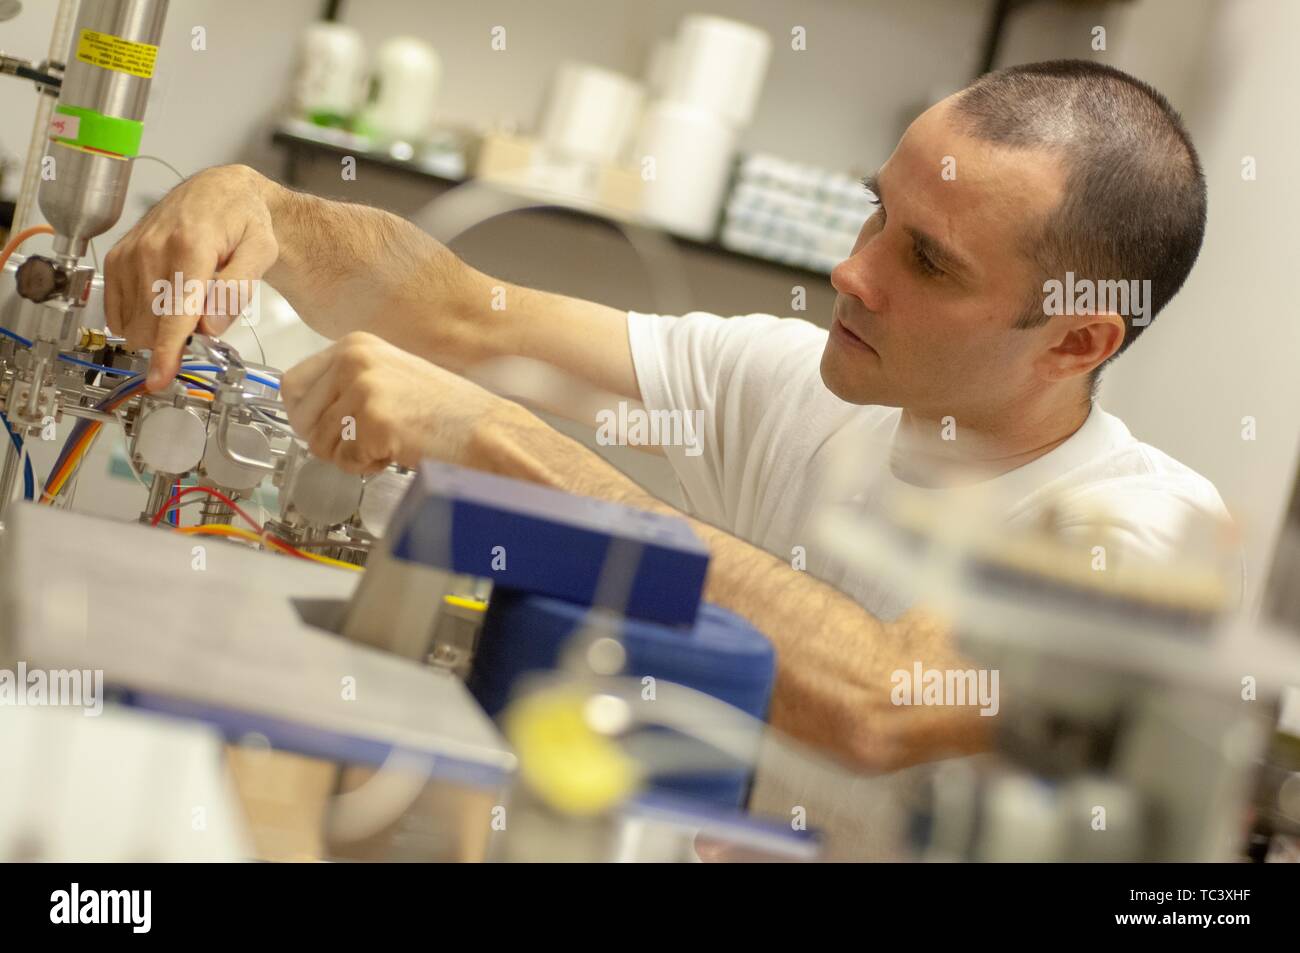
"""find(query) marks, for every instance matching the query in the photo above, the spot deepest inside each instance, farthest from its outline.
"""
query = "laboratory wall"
(1214, 381)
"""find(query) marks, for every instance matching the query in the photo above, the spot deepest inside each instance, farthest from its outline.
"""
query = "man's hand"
(343, 267)
(362, 404)
(216, 225)
(835, 683)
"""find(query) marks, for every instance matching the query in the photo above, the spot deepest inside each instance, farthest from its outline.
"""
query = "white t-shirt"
(772, 435)
(771, 449)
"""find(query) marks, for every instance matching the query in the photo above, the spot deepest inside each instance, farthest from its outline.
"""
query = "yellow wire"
(328, 561)
(73, 462)
(220, 529)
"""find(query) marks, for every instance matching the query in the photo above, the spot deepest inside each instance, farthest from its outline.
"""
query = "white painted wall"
(1228, 346)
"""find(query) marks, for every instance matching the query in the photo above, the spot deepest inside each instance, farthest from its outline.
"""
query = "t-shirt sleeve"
(729, 374)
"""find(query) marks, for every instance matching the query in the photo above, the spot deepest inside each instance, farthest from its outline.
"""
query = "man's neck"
(950, 450)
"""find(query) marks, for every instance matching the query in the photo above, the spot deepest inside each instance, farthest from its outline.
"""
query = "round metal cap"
(322, 493)
(170, 440)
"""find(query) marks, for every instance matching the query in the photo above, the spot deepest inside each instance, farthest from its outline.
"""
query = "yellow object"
(195, 379)
(112, 52)
(221, 529)
(91, 339)
(464, 602)
(570, 766)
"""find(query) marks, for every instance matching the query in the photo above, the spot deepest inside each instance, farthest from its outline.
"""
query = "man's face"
(928, 299)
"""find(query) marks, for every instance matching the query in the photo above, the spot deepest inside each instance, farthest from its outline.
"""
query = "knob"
(40, 279)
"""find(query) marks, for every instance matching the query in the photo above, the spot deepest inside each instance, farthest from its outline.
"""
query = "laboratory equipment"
(720, 655)
(93, 136)
(1133, 704)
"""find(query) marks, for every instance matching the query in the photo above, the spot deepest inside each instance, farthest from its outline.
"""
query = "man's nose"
(855, 276)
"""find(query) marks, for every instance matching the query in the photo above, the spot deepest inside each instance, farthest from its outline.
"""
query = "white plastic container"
(407, 75)
(718, 65)
(330, 80)
(692, 152)
(591, 113)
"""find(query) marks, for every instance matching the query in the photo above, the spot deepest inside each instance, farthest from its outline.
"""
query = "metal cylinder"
(383, 492)
(94, 132)
(160, 492)
(321, 494)
(169, 440)
(9, 473)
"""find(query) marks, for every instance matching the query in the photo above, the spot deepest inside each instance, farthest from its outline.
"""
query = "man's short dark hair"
(1134, 205)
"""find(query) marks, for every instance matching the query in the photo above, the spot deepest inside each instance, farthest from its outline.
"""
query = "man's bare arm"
(344, 268)
(834, 658)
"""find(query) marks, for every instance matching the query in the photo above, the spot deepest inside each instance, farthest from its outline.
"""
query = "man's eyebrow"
(932, 248)
(948, 260)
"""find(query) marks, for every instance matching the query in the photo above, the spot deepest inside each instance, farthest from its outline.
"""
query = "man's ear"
(1085, 342)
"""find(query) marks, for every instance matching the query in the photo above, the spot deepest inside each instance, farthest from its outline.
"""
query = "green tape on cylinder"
(87, 129)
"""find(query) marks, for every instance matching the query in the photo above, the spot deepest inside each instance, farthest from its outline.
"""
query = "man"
(1031, 173)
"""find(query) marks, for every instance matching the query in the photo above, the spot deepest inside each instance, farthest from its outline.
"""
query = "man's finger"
(137, 326)
(193, 268)
(298, 380)
(327, 435)
(113, 292)
(252, 258)
(236, 282)
(305, 409)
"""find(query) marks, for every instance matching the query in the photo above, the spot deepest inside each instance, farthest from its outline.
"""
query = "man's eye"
(925, 264)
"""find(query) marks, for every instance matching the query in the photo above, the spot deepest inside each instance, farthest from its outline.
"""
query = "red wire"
(211, 491)
(278, 543)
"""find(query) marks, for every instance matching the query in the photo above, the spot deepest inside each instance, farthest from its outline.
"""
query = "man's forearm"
(834, 658)
(347, 267)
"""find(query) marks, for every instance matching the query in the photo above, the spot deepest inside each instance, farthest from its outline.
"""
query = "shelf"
(336, 144)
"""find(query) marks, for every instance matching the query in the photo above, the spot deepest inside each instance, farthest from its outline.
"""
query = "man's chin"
(851, 384)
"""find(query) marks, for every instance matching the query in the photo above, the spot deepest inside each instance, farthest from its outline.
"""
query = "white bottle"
(404, 88)
(331, 75)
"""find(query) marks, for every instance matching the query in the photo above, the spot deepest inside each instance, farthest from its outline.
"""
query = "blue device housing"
(529, 538)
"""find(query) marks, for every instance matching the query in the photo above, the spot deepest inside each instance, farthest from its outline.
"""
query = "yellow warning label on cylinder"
(112, 52)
